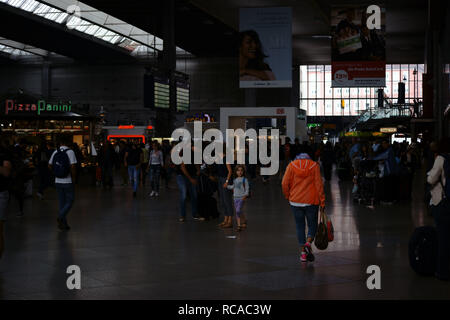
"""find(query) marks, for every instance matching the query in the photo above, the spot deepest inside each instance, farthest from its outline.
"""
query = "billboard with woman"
(265, 47)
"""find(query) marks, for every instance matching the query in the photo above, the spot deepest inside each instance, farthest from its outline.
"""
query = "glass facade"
(318, 98)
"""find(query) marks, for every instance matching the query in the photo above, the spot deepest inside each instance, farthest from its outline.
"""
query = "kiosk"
(290, 120)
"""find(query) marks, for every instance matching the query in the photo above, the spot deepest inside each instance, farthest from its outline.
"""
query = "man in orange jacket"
(303, 187)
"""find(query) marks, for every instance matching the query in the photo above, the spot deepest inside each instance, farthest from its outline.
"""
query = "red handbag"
(330, 228)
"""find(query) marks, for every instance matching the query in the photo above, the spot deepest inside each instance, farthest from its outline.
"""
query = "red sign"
(280, 111)
(359, 74)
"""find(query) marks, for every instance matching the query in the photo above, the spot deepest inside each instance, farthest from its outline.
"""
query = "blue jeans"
(133, 173)
(155, 173)
(186, 186)
(66, 196)
(311, 215)
(225, 197)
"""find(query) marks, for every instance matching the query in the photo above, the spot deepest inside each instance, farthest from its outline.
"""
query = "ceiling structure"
(205, 28)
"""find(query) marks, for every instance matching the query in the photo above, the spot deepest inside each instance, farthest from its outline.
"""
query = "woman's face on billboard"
(249, 47)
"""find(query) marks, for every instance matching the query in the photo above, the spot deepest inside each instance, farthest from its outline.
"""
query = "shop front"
(42, 120)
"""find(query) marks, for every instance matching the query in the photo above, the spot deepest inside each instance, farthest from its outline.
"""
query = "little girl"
(240, 189)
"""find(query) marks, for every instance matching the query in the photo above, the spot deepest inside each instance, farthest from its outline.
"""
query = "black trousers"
(327, 168)
(441, 214)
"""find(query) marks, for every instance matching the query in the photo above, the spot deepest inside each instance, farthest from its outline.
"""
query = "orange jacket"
(302, 183)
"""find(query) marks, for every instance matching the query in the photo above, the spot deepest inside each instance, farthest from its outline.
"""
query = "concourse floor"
(136, 249)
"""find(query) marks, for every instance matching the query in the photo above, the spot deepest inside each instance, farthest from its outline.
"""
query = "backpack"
(422, 250)
(61, 164)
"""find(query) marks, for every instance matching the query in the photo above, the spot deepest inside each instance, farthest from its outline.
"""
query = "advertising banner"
(265, 48)
(358, 57)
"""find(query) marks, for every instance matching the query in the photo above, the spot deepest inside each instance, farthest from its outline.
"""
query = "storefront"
(128, 133)
(41, 120)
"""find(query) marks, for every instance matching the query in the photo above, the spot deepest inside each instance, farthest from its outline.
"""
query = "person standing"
(224, 172)
(144, 165)
(187, 177)
(156, 162)
(123, 168)
(5, 173)
(241, 192)
(63, 164)
(132, 160)
(286, 152)
(303, 187)
(438, 178)
(327, 159)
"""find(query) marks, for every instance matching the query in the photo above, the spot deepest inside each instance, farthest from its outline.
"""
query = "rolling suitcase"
(423, 250)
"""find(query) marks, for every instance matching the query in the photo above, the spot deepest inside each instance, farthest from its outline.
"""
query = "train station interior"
(348, 100)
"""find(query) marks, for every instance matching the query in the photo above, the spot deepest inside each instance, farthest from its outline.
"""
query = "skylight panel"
(42, 9)
(92, 22)
(29, 5)
(16, 3)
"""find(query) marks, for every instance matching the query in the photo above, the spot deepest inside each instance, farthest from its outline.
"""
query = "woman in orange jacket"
(303, 187)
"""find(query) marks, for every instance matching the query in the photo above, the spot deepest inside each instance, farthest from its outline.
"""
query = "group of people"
(135, 161)
(301, 165)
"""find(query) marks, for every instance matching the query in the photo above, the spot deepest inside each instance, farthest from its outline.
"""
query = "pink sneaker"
(303, 257)
(308, 253)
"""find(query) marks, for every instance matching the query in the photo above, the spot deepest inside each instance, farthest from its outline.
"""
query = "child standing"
(240, 189)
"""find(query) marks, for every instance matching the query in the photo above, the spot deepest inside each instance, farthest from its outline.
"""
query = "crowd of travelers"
(380, 171)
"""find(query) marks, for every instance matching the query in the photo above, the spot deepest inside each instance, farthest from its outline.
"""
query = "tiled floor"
(136, 249)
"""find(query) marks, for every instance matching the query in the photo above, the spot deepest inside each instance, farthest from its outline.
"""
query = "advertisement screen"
(358, 57)
(265, 47)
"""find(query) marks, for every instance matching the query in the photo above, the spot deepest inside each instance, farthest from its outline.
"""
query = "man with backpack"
(439, 179)
(63, 164)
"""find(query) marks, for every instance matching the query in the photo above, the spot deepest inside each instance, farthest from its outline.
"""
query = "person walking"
(241, 191)
(63, 164)
(40, 160)
(303, 187)
(155, 163)
(132, 160)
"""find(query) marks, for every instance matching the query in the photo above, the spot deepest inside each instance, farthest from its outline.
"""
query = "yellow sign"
(388, 130)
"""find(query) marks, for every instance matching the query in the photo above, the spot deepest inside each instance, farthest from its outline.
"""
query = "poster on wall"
(358, 57)
(265, 47)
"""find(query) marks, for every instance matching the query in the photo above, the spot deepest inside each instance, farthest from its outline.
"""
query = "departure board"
(183, 95)
(161, 93)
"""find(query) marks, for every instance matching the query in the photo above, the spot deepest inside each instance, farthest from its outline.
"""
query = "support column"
(166, 118)
(46, 87)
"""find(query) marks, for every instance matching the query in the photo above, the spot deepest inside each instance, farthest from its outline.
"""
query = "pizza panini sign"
(40, 107)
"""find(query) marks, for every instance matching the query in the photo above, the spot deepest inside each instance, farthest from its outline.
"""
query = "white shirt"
(435, 175)
(72, 160)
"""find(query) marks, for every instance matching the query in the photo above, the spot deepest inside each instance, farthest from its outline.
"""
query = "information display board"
(161, 92)
(183, 95)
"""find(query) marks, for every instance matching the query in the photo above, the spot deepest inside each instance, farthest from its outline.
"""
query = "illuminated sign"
(388, 130)
(203, 117)
(39, 107)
